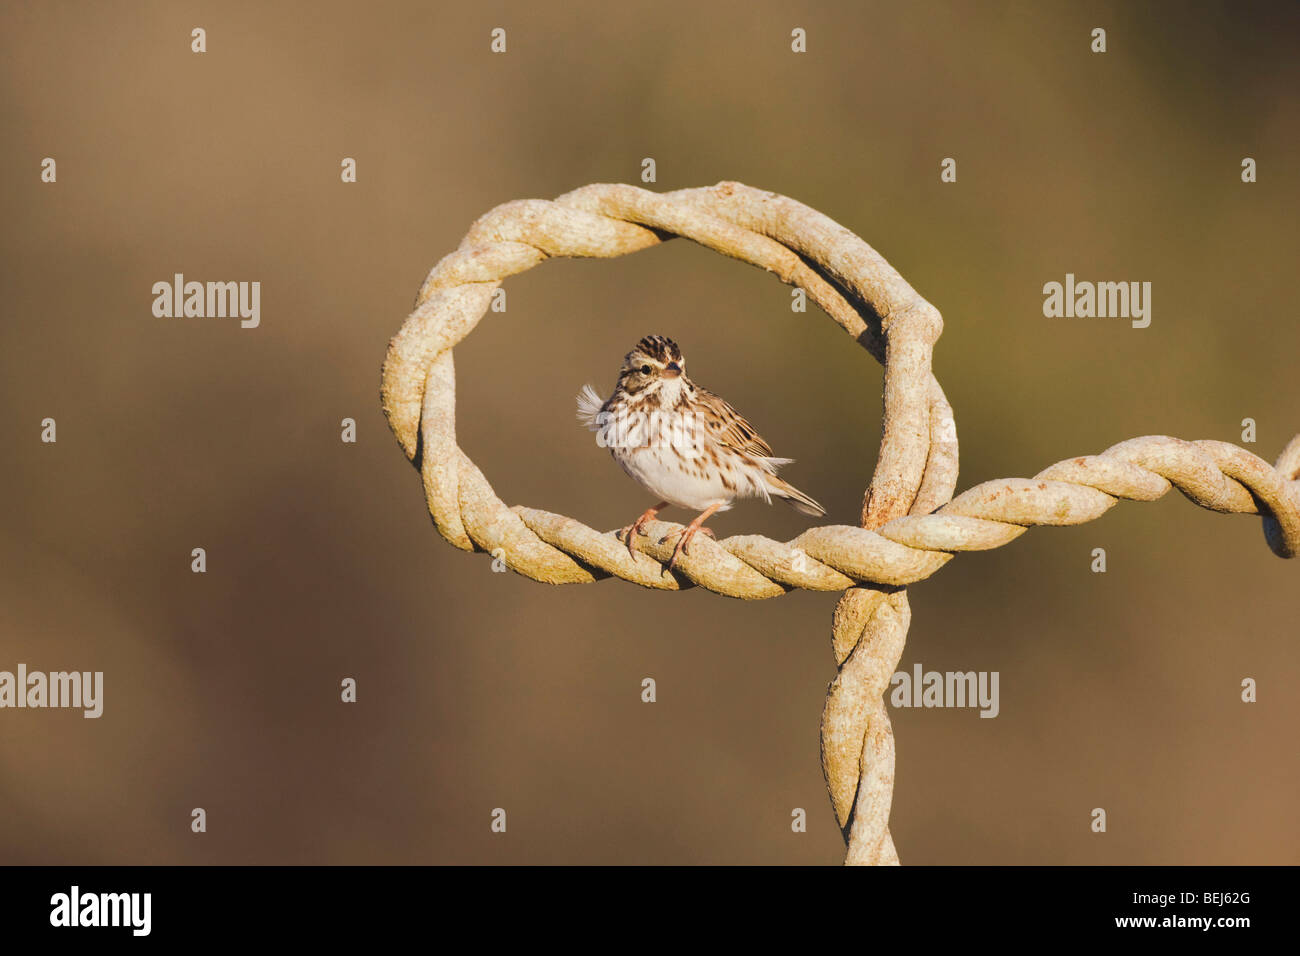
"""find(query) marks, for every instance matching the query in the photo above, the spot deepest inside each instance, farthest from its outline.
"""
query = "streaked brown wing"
(727, 426)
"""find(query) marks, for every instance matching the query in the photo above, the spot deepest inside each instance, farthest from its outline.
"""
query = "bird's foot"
(684, 545)
(631, 532)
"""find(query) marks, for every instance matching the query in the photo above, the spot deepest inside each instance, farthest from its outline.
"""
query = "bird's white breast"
(687, 482)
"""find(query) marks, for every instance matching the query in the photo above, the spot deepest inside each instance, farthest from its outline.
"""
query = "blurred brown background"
(481, 690)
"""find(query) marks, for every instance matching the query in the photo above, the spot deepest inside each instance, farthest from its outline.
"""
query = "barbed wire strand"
(910, 524)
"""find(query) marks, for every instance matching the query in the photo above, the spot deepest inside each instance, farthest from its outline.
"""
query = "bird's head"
(655, 367)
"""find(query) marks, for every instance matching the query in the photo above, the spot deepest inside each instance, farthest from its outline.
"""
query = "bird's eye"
(645, 369)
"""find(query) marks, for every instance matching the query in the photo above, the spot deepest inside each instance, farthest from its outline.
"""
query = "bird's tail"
(795, 498)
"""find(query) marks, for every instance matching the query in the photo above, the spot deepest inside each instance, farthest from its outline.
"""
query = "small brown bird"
(682, 443)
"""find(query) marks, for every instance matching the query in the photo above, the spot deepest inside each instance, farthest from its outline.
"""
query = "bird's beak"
(672, 370)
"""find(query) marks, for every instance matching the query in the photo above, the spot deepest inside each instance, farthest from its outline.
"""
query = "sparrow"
(682, 443)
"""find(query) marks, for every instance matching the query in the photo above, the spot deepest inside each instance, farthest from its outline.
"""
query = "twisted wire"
(910, 523)
(1215, 475)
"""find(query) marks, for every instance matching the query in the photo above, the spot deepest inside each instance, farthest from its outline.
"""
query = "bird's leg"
(635, 527)
(691, 529)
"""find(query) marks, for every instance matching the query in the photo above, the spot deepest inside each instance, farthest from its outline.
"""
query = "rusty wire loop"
(910, 524)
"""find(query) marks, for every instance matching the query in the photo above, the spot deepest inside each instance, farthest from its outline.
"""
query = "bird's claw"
(684, 545)
(637, 527)
(628, 535)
